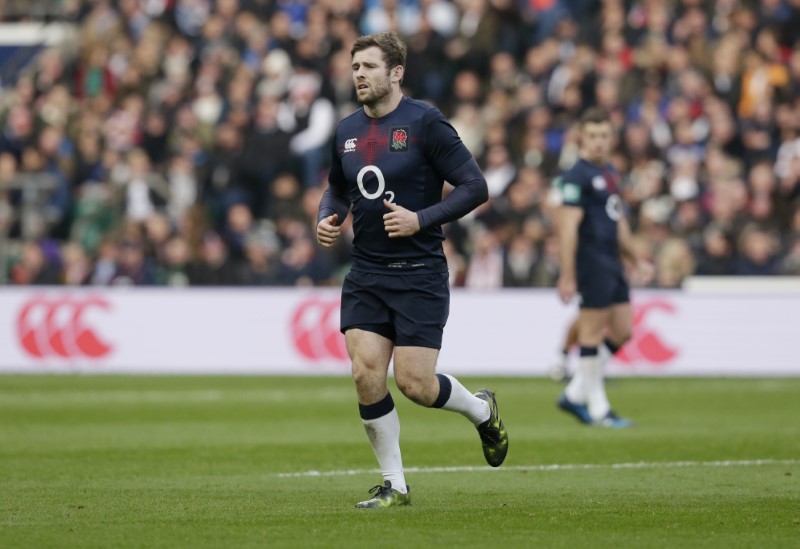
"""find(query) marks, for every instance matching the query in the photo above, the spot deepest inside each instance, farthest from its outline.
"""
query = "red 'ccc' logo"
(646, 345)
(55, 327)
(315, 330)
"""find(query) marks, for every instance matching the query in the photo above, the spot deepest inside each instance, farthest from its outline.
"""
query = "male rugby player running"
(389, 163)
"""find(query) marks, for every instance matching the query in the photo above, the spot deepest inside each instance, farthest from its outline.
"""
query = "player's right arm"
(334, 204)
(569, 219)
(570, 215)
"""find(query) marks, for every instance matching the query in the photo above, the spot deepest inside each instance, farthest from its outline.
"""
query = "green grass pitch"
(118, 461)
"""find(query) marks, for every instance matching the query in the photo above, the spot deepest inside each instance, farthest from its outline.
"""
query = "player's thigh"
(591, 326)
(420, 307)
(414, 373)
(620, 322)
(370, 354)
(414, 364)
(368, 349)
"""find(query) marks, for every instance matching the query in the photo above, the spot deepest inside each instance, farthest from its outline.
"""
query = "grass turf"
(217, 462)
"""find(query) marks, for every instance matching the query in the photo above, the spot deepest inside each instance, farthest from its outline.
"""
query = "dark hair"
(393, 49)
(595, 115)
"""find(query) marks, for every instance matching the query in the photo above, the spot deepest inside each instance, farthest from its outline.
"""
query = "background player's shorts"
(411, 310)
(601, 287)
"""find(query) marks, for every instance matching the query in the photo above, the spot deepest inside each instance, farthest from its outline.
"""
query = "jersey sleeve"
(573, 188)
(470, 192)
(334, 199)
(443, 146)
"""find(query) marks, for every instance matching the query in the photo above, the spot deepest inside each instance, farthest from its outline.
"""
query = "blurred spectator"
(105, 266)
(790, 264)
(173, 270)
(236, 231)
(133, 266)
(144, 190)
(77, 268)
(17, 130)
(716, 256)
(263, 261)
(266, 155)
(34, 267)
(214, 267)
(674, 263)
(310, 120)
(519, 262)
(759, 252)
(485, 265)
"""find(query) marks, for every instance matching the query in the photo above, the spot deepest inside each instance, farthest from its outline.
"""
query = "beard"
(376, 94)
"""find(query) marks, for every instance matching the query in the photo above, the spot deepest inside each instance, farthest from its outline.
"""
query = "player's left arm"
(642, 270)
(625, 238)
(453, 163)
(470, 191)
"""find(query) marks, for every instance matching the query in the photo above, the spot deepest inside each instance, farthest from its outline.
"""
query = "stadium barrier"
(295, 331)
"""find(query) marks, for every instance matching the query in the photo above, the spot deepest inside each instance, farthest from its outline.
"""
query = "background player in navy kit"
(595, 237)
(389, 163)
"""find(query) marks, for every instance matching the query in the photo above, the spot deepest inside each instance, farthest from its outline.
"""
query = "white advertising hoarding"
(295, 331)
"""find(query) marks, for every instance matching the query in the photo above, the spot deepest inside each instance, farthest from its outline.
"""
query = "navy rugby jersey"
(403, 157)
(594, 189)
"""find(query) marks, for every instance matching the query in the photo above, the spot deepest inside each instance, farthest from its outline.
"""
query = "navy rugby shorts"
(602, 287)
(411, 310)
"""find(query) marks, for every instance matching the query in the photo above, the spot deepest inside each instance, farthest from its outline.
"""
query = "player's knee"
(621, 337)
(363, 372)
(413, 387)
(617, 340)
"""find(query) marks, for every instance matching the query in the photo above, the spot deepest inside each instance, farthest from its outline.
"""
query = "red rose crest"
(399, 139)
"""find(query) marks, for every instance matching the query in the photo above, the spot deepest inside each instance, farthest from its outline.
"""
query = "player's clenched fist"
(328, 231)
(400, 221)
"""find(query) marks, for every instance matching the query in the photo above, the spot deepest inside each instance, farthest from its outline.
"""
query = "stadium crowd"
(186, 142)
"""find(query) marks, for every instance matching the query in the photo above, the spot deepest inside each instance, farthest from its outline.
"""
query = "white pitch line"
(553, 467)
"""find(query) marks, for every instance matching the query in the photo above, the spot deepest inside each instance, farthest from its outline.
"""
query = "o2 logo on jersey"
(381, 184)
(350, 145)
(614, 207)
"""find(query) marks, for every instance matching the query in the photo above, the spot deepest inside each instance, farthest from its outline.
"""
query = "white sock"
(605, 356)
(595, 391)
(384, 435)
(465, 403)
(576, 390)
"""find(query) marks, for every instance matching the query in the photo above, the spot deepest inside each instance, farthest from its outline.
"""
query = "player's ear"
(397, 73)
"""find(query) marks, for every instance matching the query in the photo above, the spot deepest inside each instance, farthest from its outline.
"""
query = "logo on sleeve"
(350, 145)
(571, 192)
(399, 140)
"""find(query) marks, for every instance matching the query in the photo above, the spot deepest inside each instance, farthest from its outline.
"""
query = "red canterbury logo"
(646, 345)
(315, 330)
(55, 327)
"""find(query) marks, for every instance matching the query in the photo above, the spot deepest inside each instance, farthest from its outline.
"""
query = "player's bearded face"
(371, 77)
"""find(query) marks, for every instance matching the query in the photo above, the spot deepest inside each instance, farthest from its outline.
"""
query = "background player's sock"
(558, 368)
(610, 347)
(592, 371)
(576, 388)
(455, 397)
(382, 425)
